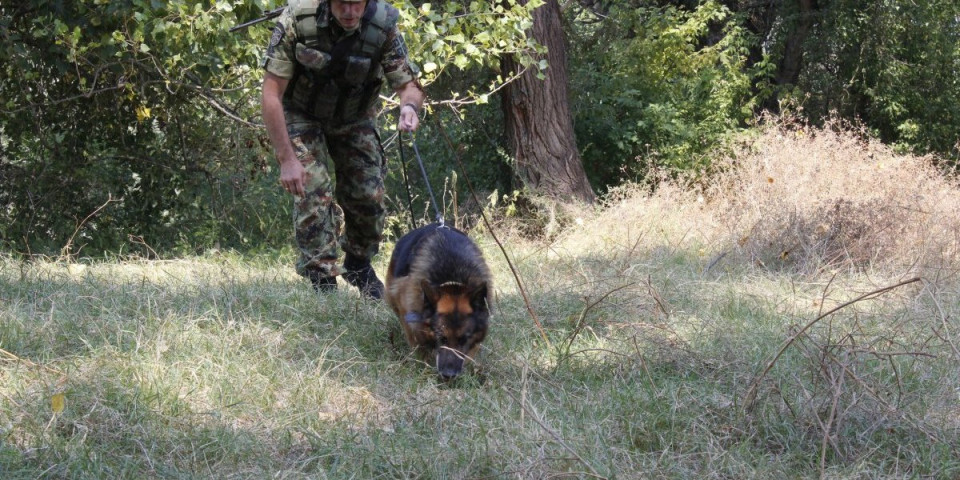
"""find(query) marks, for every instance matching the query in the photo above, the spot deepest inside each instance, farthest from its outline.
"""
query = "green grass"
(654, 333)
(228, 367)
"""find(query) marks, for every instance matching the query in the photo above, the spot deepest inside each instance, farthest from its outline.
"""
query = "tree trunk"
(791, 64)
(539, 126)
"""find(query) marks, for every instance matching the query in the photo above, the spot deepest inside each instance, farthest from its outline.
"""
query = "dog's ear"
(478, 297)
(431, 295)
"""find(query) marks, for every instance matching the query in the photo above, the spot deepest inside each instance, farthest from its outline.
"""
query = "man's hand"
(293, 177)
(409, 118)
(292, 174)
(411, 101)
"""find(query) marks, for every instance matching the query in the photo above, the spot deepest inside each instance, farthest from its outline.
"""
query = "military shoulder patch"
(399, 46)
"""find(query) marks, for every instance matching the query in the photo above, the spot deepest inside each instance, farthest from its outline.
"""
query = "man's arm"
(292, 173)
(411, 101)
(402, 77)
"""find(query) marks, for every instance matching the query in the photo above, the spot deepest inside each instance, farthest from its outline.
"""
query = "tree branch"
(750, 396)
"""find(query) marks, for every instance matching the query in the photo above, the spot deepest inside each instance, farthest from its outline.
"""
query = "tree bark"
(791, 64)
(539, 126)
(793, 52)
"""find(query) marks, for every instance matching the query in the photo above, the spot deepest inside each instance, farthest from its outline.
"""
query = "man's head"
(348, 13)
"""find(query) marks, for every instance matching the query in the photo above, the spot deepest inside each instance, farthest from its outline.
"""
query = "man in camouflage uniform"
(324, 69)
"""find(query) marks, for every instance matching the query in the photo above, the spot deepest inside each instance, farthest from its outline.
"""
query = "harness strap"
(308, 16)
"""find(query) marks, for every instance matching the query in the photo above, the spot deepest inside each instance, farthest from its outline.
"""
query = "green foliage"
(661, 86)
(468, 34)
(459, 46)
(476, 159)
(134, 125)
(116, 130)
(892, 65)
(138, 121)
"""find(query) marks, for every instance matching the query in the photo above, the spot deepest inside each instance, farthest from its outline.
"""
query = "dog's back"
(439, 286)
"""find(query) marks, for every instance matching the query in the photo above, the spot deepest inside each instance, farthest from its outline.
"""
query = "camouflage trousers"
(343, 204)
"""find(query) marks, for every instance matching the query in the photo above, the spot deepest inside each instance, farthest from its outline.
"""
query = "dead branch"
(66, 252)
(751, 395)
(555, 435)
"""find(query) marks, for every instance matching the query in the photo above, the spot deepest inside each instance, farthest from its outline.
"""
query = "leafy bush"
(116, 126)
(139, 121)
(892, 65)
(660, 86)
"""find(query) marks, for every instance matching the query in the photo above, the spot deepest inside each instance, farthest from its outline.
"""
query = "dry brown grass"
(803, 199)
(844, 248)
(832, 198)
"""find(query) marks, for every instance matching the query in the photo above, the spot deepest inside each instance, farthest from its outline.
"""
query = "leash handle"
(426, 181)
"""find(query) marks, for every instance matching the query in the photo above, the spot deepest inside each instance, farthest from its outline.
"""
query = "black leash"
(426, 181)
(406, 182)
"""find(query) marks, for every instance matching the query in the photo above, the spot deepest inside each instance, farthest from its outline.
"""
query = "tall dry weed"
(789, 198)
(828, 203)
(812, 199)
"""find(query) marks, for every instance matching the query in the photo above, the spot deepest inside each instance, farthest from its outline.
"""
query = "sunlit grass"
(658, 313)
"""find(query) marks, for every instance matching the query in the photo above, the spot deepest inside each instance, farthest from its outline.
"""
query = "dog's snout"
(449, 363)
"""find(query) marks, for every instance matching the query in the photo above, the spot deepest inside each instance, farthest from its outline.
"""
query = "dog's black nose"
(449, 363)
(448, 374)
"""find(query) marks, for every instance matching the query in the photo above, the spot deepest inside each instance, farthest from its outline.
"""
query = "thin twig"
(586, 350)
(831, 417)
(715, 261)
(65, 251)
(656, 297)
(946, 326)
(751, 394)
(555, 435)
(579, 325)
(643, 363)
(28, 362)
(875, 395)
(454, 103)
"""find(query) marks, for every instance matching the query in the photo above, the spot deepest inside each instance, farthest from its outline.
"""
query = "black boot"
(360, 274)
(321, 283)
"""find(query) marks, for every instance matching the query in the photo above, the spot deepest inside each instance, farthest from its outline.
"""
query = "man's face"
(348, 12)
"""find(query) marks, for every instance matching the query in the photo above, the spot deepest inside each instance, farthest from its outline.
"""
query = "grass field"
(797, 318)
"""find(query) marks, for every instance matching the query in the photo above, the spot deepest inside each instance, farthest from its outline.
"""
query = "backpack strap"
(382, 17)
(309, 16)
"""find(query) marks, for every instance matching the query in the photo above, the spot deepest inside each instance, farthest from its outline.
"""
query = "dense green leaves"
(468, 36)
(140, 119)
(123, 109)
(892, 65)
(664, 87)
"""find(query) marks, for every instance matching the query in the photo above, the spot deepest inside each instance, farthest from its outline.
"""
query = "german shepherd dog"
(440, 287)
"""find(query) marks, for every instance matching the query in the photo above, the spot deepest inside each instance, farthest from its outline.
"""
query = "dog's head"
(453, 324)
